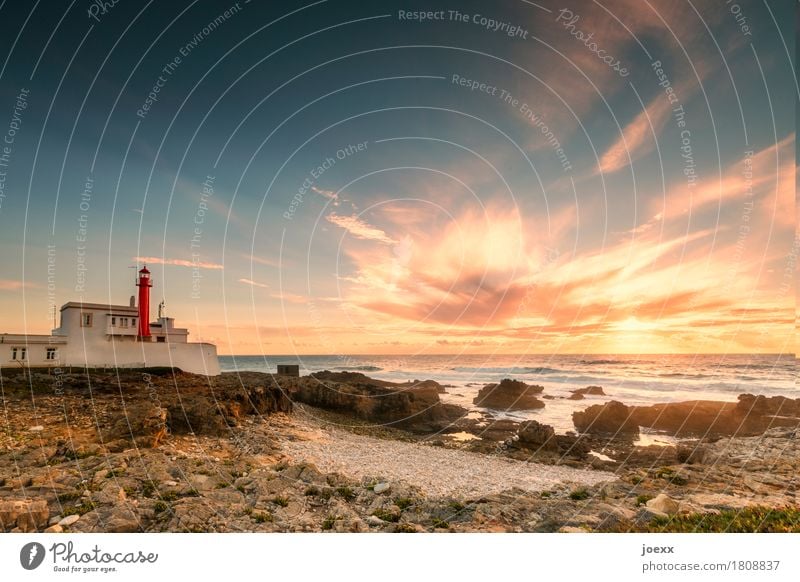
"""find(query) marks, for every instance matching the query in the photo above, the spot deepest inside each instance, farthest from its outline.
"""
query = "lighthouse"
(144, 285)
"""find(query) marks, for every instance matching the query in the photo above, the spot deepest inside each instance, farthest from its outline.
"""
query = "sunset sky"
(558, 204)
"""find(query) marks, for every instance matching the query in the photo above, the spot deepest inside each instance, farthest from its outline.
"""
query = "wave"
(512, 370)
(358, 368)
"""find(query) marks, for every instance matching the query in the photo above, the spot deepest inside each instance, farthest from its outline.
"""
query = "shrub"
(262, 517)
(403, 502)
(579, 494)
(386, 515)
(346, 493)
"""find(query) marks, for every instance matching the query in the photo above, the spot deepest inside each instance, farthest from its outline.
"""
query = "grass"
(311, 491)
(579, 494)
(669, 474)
(160, 507)
(456, 506)
(281, 501)
(69, 496)
(439, 523)
(403, 502)
(546, 494)
(642, 499)
(749, 520)
(222, 485)
(404, 528)
(346, 493)
(81, 509)
(386, 515)
(148, 489)
(262, 517)
(327, 524)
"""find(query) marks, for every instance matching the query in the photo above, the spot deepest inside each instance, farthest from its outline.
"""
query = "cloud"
(330, 194)
(178, 263)
(359, 229)
(254, 283)
(13, 285)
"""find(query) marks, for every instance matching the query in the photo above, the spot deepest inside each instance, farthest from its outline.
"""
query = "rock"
(571, 529)
(374, 520)
(663, 503)
(27, 515)
(580, 393)
(509, 395)
(609, 418)
(54, 529)
(537, 436)
(38, 428)
(381, 488)
(69, 520)
(414, 407)
(143, 422)
(691, 454)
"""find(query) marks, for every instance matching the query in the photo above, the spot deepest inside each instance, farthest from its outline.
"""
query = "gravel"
(437, 471)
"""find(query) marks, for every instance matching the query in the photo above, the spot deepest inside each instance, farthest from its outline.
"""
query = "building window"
(19, 354)
(52, 353)
(133, 322)
(123, 322)
(161, 339)
(86, 320)
(113, 321)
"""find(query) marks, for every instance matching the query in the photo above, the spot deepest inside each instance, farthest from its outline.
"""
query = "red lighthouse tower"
(144, 285)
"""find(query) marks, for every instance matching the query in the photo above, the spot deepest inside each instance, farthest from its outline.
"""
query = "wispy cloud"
(254, 283)
(360, 229)
(178, 262)
(330, 194)
(13, 285)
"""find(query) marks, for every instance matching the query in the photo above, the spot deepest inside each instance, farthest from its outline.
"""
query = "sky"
(614, 176)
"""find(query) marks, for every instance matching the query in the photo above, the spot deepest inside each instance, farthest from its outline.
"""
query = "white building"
(97, 335)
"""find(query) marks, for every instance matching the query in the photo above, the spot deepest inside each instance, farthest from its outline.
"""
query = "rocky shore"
(160, 450)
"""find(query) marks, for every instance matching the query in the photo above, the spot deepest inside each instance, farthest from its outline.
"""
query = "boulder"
(609, 418)
(537, 436)
(579, 393)
(663, 503)
(416, 408)
(143, 422)
(509, 395)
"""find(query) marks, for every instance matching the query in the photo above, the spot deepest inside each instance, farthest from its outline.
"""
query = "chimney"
(144, 285)
(133, 301)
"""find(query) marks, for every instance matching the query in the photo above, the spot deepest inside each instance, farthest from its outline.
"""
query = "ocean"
(632, 379)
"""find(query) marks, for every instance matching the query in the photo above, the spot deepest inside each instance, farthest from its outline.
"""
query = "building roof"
(100, 307)
(21, 338)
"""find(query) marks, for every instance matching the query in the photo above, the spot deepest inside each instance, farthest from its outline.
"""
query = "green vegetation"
(439, 523)
(263, 517)
(579, 494)
(545, 494)
(403, 502)
(311, 491)
(749, 520)
(456, 506)
(346, 493)
(669, 474)
(642, 499)
(386, 515)
(160, 507)
(68, 496)
(281, 501)
(404, 528)
(148, 488)
(81, 509)
(329, 521)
